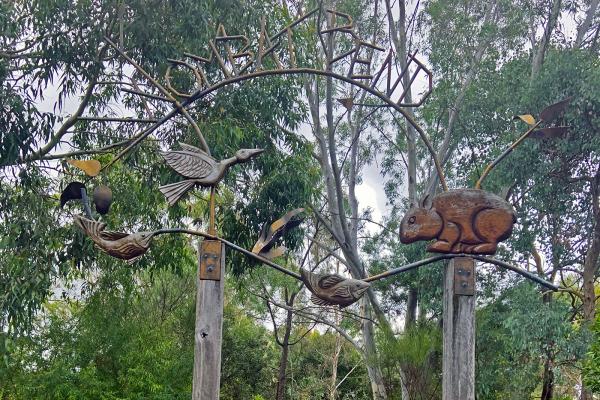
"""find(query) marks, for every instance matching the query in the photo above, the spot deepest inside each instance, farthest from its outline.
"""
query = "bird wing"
(188, 164)
(271, 233)
(328, 281)
(320, 302)
(190, 148)
(112, 235)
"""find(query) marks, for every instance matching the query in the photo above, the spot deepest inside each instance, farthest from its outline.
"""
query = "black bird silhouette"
(200, 168)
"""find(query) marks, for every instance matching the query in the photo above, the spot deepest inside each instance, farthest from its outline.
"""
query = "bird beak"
(255, 152)
(146, 241)
(362, 290)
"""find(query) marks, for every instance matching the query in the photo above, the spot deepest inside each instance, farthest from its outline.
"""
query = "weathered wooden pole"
(209, 321)
(458, 377)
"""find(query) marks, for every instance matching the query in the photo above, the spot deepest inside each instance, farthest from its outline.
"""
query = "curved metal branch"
(490, 260)
(506, 152)
(178, 106)
(232, 246)
(291, 71)
(373, 278)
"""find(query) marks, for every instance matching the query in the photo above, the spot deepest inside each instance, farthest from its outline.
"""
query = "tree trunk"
(590, 269)
(587, 22)
(548, 382)
(411, 308)
(540, 53)
(371, 360)
(283, 359)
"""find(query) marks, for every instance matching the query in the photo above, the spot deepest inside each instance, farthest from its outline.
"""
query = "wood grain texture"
(458, 364)
(468, 221)
(208, 335)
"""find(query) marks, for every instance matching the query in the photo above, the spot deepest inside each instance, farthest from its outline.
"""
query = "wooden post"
(458, 377)
(209, 321)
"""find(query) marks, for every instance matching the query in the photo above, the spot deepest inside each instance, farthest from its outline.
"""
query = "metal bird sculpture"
(126, 246)
(200, 168)
(71, 192)
(271, 233)
(333, 289)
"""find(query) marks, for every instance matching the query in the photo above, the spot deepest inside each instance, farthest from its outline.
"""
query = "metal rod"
(377, 277)
(211, 225)
(85, 200)
(518, 270)
(490, 260)
(117, 119)
(408, 267)
(506, 152)
(232, 246)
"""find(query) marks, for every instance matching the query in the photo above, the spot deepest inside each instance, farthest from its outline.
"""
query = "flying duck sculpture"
(200, 168)
(271, 233)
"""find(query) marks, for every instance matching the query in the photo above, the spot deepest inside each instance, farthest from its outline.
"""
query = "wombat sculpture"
(463, 221)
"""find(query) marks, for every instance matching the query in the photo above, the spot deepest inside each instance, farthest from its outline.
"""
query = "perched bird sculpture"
(333, 289)
(271, 233)
(71, 192)
(126, 246)
(200, 168)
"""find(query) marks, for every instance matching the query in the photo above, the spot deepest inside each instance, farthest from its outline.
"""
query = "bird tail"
(174, 191)
(89, 227)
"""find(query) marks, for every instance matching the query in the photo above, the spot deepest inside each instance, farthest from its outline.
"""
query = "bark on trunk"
(411, 308)
(285, 347)
(587, 22)
(590, 269)
(548, 383)
(540, 53)
(373, 370)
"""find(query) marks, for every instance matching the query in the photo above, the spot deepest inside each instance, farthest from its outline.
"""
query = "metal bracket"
(464, 276)
(210, 260)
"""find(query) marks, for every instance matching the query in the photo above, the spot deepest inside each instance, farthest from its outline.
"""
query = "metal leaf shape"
(90, 167)
(553, 111)
(553, 132)
(527, 118)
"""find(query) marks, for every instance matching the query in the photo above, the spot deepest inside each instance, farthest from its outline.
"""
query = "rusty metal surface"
(464, 276)
(210, 260)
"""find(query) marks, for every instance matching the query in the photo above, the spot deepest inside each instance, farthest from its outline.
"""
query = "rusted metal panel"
(210, 260)
(464, 276)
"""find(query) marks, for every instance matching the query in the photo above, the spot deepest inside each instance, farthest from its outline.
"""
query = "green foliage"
(515, 334)
(591, 365)
(418, 354)
(134, 342)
